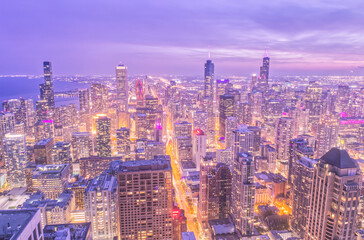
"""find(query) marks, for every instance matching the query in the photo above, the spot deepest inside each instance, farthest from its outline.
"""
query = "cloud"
(174, 36)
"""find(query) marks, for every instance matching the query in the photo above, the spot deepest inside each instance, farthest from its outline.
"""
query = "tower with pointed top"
(262, 84)
(209, 79)
(46, 88)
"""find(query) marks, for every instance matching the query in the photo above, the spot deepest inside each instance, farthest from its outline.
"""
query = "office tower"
(93, 166)
(81, 145)
(152, 217)
(243, 193)
(284, 128)
(21, 224)
(158, 130)
(313, 102)
(262, 83)
(100, 206)
(123, 141)
(334, 197)
(51, 180)
(46, 88)
(15, 159)
(298, 148)
(215, 191)
(326, 135)
(103, 138)
(257, 132)
(246, 113)
(141, 125)
(302, 175)
(84, 100)
(151, 105)
(61, 153)
(253, 82)
(221, 87)
(43, 151)
(301, 118)
(200, 120)
(230, 125)
(243, 140)
(99, 98)
(29, 115)
(199, 147)
(139, 91)
(226, 108)
(7, 123)
(342, 98)
(256, 103)
(209, 79)
(122, 86)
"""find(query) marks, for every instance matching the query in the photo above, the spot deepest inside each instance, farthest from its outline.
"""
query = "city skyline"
(174, 38)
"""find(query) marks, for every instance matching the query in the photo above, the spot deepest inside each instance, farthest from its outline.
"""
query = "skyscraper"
(334, 197)
(84, 100)
(103, 138)
(101, 206)
(302, 175)
(123, 141)
(122, 86)
(147, 212)
(262, 83)
(327, 134)
(243, 193)
(199, 147)
(215, 191)
(81, 145)
(15, 159)
(243, 140)
(99, 98)
(284, 128)
(46, 89)
(226, 109)
(209, 79)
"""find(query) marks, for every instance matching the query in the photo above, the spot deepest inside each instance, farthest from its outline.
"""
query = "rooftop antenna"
(209, 54)
(266, 53)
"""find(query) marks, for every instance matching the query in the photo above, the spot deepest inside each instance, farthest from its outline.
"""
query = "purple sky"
(167, 36)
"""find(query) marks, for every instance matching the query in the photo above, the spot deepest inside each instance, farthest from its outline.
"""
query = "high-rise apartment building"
(334, 199)
(243, 140)
(15, 159)
(101, 206)
(284, 128)
(243, 193)
(302, 175)
(43, 151)
(145, 200)
(103, 137)
(215, 191)
(326, 135)
(123, 141)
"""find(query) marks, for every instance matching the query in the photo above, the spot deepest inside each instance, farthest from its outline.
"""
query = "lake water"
(16, 87)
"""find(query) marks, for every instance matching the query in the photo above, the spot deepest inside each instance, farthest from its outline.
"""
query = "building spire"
(266, 53)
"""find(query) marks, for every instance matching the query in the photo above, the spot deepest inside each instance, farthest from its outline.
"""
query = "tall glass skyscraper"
(209, 79)
(46, 88)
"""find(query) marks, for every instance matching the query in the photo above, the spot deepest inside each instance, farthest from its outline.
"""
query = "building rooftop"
(75, 231)
(188, 236)
(44, 142)
(102, 182)
(143, 165)
(13, 222)
(339, 158)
